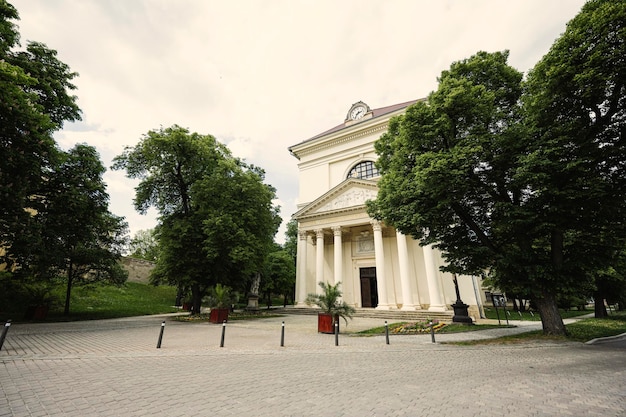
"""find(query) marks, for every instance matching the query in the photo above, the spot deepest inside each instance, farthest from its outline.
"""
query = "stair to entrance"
(418, 315)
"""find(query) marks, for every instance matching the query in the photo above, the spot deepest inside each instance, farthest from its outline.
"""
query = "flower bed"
(415, 327)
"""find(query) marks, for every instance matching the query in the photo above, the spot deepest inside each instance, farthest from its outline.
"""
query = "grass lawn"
(582, 330)
(491, 313)
(102, 302)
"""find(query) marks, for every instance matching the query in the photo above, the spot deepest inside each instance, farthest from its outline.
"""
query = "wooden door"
(369, 291)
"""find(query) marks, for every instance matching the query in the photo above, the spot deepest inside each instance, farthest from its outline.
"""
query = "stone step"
(417, 315)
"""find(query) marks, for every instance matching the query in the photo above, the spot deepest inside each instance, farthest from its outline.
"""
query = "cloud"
(261, 76)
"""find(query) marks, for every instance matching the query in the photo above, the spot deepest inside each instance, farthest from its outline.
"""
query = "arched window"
(365, 169)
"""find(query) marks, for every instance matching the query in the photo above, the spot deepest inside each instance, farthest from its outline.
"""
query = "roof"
(375, 113)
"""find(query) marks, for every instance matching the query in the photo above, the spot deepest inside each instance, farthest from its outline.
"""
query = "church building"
(378, 267)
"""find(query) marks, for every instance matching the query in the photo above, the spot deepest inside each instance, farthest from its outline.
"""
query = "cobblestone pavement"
(112, 368)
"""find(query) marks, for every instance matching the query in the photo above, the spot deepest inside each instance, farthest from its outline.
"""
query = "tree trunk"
(68, 290)
(551, 320)
(599, 308)
(196, 298)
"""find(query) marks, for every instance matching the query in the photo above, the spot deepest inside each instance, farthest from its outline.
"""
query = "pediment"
(350, 195)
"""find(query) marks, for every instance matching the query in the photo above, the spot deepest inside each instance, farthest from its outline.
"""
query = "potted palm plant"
(332, 307)
(220, 300)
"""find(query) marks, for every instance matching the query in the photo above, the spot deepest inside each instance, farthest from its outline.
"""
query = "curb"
(605, 339)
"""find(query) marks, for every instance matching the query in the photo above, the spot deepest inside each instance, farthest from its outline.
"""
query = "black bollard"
(223, 333)
(386, 332)
(4, 332)
(161, 335)
(337, 333)
(432, 332)
(282, 335)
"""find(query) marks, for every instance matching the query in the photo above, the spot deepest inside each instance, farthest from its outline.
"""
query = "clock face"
(357, 112)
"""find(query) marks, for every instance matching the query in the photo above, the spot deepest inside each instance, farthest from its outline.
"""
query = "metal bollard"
(161, 335)
(432, 332)
(223, 333)
(337, 333)
(5, 330)
(386, 332)
(282, 335)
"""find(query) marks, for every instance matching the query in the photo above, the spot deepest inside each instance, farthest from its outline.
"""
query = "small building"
(378, 267)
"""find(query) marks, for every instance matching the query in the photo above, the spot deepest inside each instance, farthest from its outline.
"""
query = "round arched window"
(365, 169)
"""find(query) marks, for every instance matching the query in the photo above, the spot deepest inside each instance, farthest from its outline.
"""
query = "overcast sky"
(263, 75)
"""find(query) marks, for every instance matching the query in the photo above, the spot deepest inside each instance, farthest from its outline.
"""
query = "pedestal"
(460, 313)
(253, 302)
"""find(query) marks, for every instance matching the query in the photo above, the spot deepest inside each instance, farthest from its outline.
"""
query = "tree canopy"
(217, 220)
(522, 180)
(34, 102)
(54, 216)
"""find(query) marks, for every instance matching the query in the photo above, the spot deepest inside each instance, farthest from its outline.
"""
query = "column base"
(410, 307)
(438, 308)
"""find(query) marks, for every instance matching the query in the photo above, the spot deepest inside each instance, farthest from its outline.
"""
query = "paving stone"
(112, 368)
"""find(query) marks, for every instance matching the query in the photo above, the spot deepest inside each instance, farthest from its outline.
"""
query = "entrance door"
(369, 291)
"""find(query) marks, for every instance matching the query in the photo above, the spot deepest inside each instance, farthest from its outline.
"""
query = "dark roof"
(375, 113)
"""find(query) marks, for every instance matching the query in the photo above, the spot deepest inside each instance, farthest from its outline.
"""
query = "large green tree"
(34, 102)
(527, 184)
(448, 166)
(216, 214)
(76, 235)
(576, 105)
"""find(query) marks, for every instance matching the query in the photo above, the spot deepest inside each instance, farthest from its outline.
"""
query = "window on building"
(364, 169)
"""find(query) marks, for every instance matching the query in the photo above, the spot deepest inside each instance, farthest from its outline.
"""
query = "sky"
(261, 76)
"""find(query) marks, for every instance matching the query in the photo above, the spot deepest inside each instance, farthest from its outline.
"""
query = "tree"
(74, 232)
(217, 220)
(291, 240)
(144, 245)
(279, 275)
(529, 187)
(80, 236)
(449, 178)
(576, 105)
(34, 102)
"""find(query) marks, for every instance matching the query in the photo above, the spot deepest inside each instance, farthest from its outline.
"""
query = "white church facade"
(378, 267)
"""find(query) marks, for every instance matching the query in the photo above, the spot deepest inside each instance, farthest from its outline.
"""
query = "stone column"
(381, 282)
(434, 290)
(405, 280)
(338, 248)
(319, 259)
(301, 261)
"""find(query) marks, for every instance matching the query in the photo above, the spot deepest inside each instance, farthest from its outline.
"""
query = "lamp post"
(460, 308)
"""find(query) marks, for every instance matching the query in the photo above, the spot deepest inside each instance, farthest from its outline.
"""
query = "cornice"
(325, 143)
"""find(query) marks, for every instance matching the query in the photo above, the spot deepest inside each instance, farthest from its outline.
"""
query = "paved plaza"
(112, 368)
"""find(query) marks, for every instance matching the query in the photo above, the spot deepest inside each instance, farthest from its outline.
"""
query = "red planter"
(218, 315)
(38, 312)
(325, 323)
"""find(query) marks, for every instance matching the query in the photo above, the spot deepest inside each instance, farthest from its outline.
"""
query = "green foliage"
(221, 296)
(217, 220)
(76, 235)
(330, 301)
(99, 301)
(279, 274)
(34, 102)
(143, 245)
(524, 180)
(291, 239)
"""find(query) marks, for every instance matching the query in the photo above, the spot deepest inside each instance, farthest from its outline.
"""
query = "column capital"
(336, 230)
(319, 232)
(377, 225)
(302, 234)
